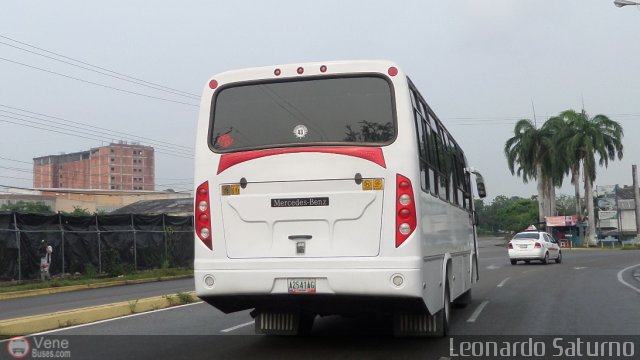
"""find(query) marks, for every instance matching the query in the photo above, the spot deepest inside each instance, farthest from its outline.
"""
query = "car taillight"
(203, 214)
(510, 246)
(405, 209)
(537, 245)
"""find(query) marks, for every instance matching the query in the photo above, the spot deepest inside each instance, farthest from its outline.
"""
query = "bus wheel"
(306, 324)
(463, 300)
(445, 314)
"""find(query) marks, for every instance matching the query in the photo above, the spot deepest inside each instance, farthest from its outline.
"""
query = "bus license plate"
(302, 286)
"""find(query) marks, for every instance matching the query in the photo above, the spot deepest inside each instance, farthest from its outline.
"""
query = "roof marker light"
(393, 71)
(323, 68)
(213, 84)
(300, 70)
(277, 72)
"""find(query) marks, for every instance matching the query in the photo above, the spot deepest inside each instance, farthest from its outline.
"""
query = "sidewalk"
(43, 322)
(32, 311)
(63, 289)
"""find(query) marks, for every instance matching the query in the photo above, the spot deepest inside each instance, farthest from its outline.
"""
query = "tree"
(30, 207)
(506, 214)
(531, 149)
(78, 211)
(565, 204)
(584, 138)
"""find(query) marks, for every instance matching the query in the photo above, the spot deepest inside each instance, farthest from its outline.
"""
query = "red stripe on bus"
(372, 154)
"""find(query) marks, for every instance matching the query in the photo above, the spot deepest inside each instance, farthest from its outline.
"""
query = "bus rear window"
(325, 111)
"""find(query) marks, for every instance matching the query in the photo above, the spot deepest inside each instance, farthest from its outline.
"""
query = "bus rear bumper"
(235, 290)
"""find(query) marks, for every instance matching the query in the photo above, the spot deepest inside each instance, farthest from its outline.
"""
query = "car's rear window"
(522, 236)
(345, 110)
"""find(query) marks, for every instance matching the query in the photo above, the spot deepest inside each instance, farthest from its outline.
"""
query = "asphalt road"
(13, 308)
(585, 295)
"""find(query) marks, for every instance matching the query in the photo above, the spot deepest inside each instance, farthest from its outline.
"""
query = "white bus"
(330, 188)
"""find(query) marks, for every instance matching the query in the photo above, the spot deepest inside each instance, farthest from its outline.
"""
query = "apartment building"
(117, 166)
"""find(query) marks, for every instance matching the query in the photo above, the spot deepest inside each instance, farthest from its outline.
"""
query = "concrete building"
(118, 166)
(616, 211)
(100, 201)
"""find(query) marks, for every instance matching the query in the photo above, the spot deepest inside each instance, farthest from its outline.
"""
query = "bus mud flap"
(277, 323)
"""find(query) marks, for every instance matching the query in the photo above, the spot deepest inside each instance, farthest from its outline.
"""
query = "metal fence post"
(164, 236)
(135, 251)
(17, 231)
(99, 248)
(62, 238)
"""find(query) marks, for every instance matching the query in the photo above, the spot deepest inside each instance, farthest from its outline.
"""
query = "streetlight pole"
(621, 3)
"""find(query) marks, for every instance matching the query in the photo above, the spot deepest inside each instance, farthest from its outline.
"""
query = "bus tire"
(463, 300)
(305, 324)
(443, 316)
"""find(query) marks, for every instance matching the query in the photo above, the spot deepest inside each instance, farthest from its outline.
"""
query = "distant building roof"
(625, 192)
(164, 206)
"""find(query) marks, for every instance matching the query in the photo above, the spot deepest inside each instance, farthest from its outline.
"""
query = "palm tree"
(568, 164)
(584, 138)
(530, 149)
(555, 164)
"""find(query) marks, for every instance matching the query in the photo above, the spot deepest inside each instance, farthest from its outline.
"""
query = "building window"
(113, 159)
(111, 150)
(113, 169)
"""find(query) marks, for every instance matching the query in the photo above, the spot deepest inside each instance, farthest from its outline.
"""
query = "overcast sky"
(481, 65)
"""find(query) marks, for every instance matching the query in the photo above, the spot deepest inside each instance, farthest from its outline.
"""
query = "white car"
(534, 245)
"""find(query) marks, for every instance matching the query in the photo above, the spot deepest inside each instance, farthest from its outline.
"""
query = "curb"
(38, 323)
(62, 289)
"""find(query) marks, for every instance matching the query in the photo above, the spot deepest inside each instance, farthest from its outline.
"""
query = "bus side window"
(434, 163)
(422, 150)
(444, 164)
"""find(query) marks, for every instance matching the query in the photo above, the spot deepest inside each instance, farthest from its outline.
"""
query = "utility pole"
(636, 197)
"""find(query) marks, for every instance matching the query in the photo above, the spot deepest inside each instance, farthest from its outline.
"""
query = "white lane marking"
(238, 327)
(621, 280)
(503, 282)
(493, 267)
(579, 267)
(476, 313)
(118, 318)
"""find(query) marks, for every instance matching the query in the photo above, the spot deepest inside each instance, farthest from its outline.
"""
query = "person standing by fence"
(45, 260)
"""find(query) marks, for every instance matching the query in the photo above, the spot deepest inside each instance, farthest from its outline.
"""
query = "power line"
(77, 135)
(97, 84)
(190, 96)
(72, 191)
(93, 66)
(110, 133)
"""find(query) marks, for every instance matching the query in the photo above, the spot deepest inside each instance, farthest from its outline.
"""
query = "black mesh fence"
(113, 244)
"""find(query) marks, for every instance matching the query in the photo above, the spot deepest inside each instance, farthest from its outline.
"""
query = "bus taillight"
(203, 215)
(405, 209)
